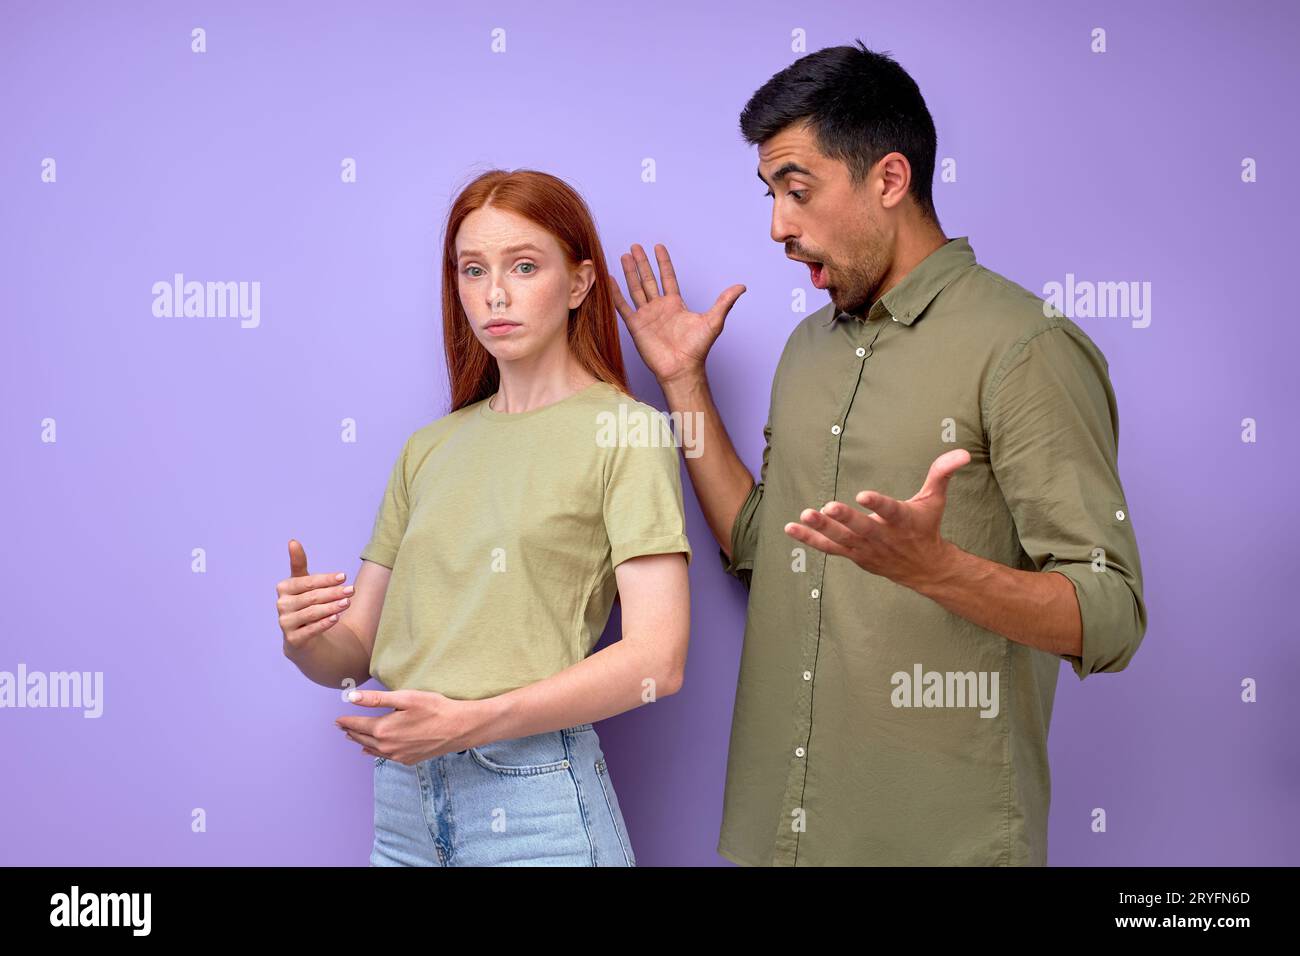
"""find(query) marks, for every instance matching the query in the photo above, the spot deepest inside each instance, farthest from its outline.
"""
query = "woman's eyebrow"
(516, 248)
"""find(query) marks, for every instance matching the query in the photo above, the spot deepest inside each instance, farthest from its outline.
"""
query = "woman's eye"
(469, 270)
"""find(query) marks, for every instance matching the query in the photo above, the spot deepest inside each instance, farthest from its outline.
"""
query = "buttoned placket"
(786, 847)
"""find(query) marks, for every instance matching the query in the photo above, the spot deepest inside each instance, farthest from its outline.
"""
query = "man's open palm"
(672, 340)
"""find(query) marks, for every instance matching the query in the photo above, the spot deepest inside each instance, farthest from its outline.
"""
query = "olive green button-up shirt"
(871, 725)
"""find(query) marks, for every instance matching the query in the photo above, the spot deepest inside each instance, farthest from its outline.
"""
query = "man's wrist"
(685, 389)
(940, 574)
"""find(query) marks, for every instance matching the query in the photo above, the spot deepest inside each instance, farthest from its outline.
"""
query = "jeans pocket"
(615, 812)
(523, 756)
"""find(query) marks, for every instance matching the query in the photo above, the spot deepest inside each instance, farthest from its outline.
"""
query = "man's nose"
(781, 229)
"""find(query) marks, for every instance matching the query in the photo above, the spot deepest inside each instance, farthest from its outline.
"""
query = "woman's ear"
(583, 277)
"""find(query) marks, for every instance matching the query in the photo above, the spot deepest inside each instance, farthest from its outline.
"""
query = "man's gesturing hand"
(423, 724)
(672, 340)
(900, 541)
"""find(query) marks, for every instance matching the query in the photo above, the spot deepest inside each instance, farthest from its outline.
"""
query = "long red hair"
(555, 206)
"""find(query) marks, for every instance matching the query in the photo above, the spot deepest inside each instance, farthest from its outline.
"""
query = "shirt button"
(798, 751)
(894, 317)
(816, 593)
(807, 675)
(861, 351)
(1119, 515)
(835, 429)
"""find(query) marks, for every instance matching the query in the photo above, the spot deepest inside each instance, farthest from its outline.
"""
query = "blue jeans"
(542, 800)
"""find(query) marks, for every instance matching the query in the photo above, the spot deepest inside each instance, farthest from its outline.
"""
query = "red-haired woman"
(506, 530)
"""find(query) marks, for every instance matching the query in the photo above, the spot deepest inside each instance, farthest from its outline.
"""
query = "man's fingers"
(649, 285)
(819, 541)
(633, 279)
(666, 274)
(722, 305)
(889, 509)
(936, 480)
(620, 303)
(856, 521)
(822, 523)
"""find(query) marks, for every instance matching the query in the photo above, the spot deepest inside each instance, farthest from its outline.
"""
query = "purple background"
(182, 433)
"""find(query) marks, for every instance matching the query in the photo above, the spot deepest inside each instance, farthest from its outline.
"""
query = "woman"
(506, 530)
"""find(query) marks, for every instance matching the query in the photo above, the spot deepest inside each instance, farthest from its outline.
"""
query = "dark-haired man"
(936, 442)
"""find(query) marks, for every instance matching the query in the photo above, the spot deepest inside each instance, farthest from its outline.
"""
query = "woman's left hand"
(422, 724)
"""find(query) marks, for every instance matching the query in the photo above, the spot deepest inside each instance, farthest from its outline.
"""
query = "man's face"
(822, 218)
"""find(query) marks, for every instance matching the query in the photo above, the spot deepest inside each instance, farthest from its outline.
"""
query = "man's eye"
(768, 193)
(798, 194)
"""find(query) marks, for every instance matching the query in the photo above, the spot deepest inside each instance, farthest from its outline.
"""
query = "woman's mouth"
(501, 327)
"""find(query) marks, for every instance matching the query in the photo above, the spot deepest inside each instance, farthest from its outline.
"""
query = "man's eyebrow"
(519, 247)
(784, 171)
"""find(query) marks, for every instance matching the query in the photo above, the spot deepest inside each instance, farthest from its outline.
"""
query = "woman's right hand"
(672, 340)
(309, 603)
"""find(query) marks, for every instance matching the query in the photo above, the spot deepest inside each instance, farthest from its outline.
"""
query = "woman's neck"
(522, 391)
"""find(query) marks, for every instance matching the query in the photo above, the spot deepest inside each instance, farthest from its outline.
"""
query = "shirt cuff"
(1113, 615)
(744, 537)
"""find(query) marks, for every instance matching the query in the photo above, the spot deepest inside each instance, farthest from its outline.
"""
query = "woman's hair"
(554, 205)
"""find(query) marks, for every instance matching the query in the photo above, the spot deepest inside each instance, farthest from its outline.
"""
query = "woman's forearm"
(615, 679)
(331, 657)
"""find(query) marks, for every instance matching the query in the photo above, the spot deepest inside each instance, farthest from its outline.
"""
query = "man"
(902, 646)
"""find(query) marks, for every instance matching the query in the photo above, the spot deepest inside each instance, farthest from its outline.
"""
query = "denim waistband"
(567, 731)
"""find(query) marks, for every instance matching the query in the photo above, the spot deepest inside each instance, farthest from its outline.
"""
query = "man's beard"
(856, 293)
(855, 286)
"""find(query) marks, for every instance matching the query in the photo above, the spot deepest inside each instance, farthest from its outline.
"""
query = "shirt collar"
(909, 298)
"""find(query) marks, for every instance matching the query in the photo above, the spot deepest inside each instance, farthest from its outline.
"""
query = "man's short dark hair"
(860, 104)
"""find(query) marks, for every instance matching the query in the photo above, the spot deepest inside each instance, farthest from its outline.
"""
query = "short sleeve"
(390, 520)
(643, 502)
(1053, 428)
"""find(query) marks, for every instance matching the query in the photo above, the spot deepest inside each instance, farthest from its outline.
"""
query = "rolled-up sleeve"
(1053, 430)
(744, 530)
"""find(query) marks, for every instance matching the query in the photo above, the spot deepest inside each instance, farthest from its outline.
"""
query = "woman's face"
(515, 285)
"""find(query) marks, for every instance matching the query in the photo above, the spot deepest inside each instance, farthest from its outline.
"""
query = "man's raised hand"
(673, 341)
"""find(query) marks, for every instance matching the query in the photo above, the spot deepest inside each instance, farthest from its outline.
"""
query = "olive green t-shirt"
(503, 530)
